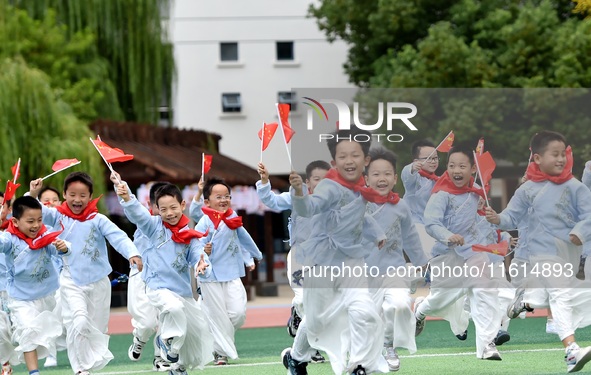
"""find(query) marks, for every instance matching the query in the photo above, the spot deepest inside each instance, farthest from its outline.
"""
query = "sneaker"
(491, 352)
(135, 350)
(359, 371)
(220, 360)
(576, 357)
(318, 358)
(6, 369)
(518, 306)
(160, 364)
(502, 337)
(293, 323)
(51, 361)
(165, 351)
(83, 372)
(463, 336)
(392, 358)
(420, 324)
(294, 367)
(550, 327)
(178, 370)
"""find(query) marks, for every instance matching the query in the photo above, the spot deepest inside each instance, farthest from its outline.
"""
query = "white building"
(235, 58)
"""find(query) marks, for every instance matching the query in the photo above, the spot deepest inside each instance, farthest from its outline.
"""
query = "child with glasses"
(418, 179)
(230, 248)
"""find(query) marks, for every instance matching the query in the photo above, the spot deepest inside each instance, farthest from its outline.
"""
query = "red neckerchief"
(391, 198)
(368, 194)
(534, 173)
(445, 183)
(430, 176)
(39, 242)
(217, 217)
(181, 233)
(4, 225)
(88, 213)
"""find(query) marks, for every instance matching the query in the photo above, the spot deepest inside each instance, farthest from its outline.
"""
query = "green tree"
(130, 36)
(40, 128)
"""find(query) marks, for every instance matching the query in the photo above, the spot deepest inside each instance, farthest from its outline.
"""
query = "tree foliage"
(39, 128)
(475, 44)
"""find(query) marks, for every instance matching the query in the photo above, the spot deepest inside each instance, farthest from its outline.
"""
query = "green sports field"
(530, 351)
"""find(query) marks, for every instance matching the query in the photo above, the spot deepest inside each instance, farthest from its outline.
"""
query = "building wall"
(198, 27)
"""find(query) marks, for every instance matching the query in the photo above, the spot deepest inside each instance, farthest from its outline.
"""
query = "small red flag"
(269, 132)
(480, 146)
(500, 248)
(110, 154)
(214, 216)
(63, 163)
(207, 163)
(486, 166)
(15, 171)
(10, 191)
(288, 132)
(447, 143)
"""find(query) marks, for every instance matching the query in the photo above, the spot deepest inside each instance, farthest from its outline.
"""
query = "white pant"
(7, 353)
(36, 327)
(296, 281)
(60, 342)
(446, 299)
(86, 317)
(183, 320)
(399, 320)
(225, 306)
(344, 322)
(427, 242)
(144, 316)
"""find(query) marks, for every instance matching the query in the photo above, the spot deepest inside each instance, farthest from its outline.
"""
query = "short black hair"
(79, 177)
(21, 204)
(9, 203)
(416, 147)
(168, 190)
(316, 164)
(46, 189)
(462, 148)
(382, 153)
(363, 137)
(210, 183)
(155, 186)
(540, 141)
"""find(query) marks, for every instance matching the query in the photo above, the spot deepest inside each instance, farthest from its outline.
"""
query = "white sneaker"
(135, 350)
(392, 358)
(160, 365)
(491, 353)
(576, 357)
(420, 321)
(6, 369)
(51, 361)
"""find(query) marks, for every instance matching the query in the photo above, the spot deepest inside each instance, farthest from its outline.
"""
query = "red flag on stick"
(110, 154)
(480, 146)
(486, 166)
(500, 248)
(206, 166)
(267, 133)
(447, 143)
(10, 191)
(16, 170)
(283, 110)
(64, 163)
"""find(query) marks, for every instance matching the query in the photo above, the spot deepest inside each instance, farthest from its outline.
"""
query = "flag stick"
(18, 167)
(481, 180)
(262, 140)
(440, 143)
(105, 160)
(58, 171)
(203, 165)
(284, 140)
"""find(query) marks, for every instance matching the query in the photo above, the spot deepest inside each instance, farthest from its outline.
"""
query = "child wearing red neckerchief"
(557, 208)
(451, 218)
(7, 353)
(85, 287)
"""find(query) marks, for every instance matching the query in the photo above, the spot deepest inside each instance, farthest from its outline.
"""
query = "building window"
(284, 51)
(231, 102)
(229, 51)
(288, 97)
